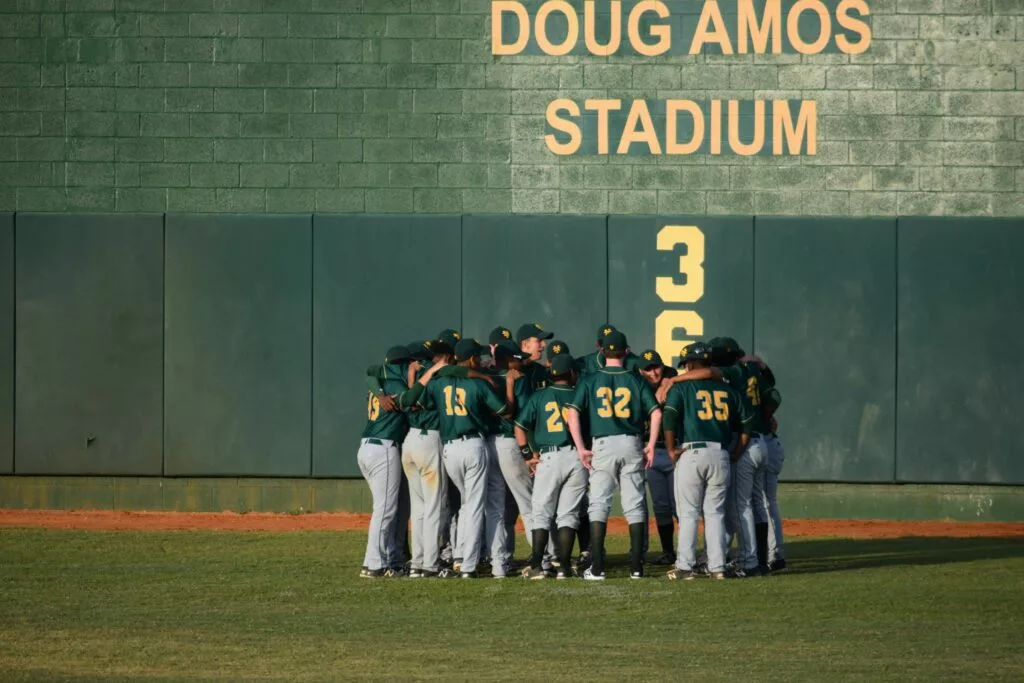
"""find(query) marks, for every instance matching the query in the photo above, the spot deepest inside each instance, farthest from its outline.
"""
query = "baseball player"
(746, 505)
(708, 415)
(380, 464)
(592, 362)
(617, 402)
(421, 462)
(560, 479)
(661, 474)
(465, 407)
(498, 335)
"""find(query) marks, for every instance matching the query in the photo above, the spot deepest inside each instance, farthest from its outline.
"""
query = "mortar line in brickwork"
(14, 342)
(163, 348)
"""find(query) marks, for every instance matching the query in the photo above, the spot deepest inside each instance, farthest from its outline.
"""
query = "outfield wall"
(235, 346)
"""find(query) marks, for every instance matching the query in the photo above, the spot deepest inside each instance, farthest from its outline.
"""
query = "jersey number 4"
(622, 396)
(459, 407)
(752, 393)
(557, 418)
(720, 409)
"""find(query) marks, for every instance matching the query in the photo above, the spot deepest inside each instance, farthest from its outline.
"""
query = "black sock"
(540, 542)
(665, 533)
(636, 547)
(597, 530)
(761, 534)
(566, 537)
(584, 532)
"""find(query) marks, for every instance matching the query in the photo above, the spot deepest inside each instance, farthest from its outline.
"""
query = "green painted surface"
(960, 288)
(545, 269)
(699, 298)
(798, 500)
(238, 345)
(825, 321)
(6, 343)
(89, 344)
(378, 281)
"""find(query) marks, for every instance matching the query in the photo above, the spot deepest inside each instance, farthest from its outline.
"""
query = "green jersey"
(745, 379)
(504, 425)
(705, 410)
(536, 376)
(544, 416)
(381, 424)
(424, 419)
(464, 406)
(592, 362)
(615, 400)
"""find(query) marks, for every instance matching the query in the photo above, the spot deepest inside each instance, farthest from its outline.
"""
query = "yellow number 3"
(622, 396)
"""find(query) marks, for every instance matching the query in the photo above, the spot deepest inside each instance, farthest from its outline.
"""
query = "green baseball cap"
(614, 341)
(532, 330)
(605, 330)
(499, 334)
(446, 340)
(697, 351)
(397, 354)
(650, 359)
(421, 350)
(725, 349)
(557, 348)
(467, 348)
(562, 365)
(509, 349)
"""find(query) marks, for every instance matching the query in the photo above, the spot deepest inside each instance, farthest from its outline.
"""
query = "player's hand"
(675, 454)
(532, 464)
(512, 375)
(649, 455)
(415, 366)
(662, 393)
(586, 457)
(387, 403)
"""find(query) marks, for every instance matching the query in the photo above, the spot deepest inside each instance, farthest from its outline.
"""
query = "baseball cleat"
(636, 575)
(777, 565)
(467, 575)
(701, 569)
(371, 573)
(583, 561)
(445, 573)
(415, 573)
(666, 559)
(718, 576)
(534, 574)
(589, 575)
(677, 574)
(394, 572)
(562, 574)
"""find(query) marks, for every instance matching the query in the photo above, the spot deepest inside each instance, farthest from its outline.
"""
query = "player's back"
(707, 410)
(381, 424)
(615, 400)
(464, 406)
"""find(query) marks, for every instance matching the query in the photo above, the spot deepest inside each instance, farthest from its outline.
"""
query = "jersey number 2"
(459, 407)
(622, 396)
(557, 418)
(721, 405)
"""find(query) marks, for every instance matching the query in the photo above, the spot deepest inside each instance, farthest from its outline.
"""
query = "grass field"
(104, 606)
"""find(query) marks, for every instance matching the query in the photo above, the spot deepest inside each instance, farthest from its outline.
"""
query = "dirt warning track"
(105, 520)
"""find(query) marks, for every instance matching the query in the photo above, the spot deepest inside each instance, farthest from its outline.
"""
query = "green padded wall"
(545, 269)
(6, 343)
(89, 337)
(824, 319)
(238, 345)
(714, 299)
(960, 371)
(378, 281)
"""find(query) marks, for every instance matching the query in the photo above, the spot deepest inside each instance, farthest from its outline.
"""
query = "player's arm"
(686, 376)
(409, 398)
(373, 383)
(494, 402)
(463, 372)
(410, 374)
(741, 421)
(671, 417)
(653, 408)
(511, 377)
(576, 408)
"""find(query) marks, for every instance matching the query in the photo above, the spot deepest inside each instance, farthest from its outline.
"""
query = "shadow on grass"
(816, 556)
(842, 554)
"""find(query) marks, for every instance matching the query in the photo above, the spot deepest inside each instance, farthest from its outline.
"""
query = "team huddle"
(462, 449)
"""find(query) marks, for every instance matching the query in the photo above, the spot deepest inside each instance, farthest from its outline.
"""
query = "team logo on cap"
(458, 337)
(506, 334)
(538, 327)
(606, 331)
(648, 356)
(557, 348)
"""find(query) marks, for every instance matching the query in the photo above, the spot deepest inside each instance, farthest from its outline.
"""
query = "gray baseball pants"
(495, 536)
(772, 468)
(428, 495)
(618, 461)
(559, 485)
(381, 466)
(747, 502)
(466, 462)
(660, 480)
(517, 476)
(702, 482)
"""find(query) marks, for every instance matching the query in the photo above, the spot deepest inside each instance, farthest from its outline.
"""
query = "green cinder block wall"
(301, 106)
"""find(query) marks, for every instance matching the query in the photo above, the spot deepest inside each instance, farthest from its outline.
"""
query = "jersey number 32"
(621, 408)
